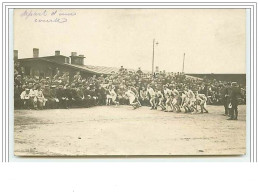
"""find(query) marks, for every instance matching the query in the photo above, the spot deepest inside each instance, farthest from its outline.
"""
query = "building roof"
(102, 69)
(90, 68)
(87, 68)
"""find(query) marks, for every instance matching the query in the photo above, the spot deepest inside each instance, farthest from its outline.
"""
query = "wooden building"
(47, 66)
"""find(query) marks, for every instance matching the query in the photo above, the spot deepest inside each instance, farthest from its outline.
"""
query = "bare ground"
(123, 131)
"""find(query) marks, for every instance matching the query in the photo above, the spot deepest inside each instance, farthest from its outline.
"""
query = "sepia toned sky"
(212, 39)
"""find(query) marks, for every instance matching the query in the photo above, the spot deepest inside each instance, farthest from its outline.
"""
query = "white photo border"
(6, 105)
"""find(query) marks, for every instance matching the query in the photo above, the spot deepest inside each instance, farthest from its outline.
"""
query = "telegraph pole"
(183, 61)
(153, 56)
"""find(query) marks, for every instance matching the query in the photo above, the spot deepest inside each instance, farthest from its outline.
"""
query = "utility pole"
(183, 62)
(153, 56)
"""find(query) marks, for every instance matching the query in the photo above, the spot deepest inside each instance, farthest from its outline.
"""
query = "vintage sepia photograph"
(129, 82)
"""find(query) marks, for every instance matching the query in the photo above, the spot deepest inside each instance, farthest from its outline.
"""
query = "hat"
(234, 84)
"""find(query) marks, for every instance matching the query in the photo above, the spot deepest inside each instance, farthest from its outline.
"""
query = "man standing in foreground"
(235, 93)
(226, 101)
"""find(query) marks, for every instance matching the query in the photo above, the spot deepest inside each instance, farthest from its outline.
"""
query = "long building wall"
(240, 78)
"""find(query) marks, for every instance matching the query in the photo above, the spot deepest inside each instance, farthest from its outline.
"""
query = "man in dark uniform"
(76, 99)
(235, 93)
(87, 96)
(68, 95)
(94, 95)
(102, 95)
(61, 95)
(139, 71)
(18, 81)
(46, 93)
(17, 99)
(53, 97)
(226, 98)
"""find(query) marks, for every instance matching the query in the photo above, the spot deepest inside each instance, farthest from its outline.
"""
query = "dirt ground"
(124, 131)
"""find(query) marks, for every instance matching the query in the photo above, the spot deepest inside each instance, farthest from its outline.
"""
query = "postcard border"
(6, 56)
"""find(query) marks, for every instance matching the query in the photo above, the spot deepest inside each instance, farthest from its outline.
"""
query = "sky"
(213, 40)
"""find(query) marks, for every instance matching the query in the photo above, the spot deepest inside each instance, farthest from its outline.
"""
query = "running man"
(135, 91)
(168, 96)
(202, 99)
(176, 100)
(192, 100)
(152, 95)
(185, 101)
(132, 98)
(160, 97)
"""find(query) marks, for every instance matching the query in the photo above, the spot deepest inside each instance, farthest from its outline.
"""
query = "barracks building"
(47, 66)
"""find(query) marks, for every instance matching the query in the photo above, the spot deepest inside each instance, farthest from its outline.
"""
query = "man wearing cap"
(40, 98)
(235, 93)
(75, 99)
(18, 81)
(48, 81)
(48, 100)
(53, 96)
(139, 71)
(226, 98)
(121, 69)
(87, 97)
(61, 97)
(25, 97)
(33, 93)
(68, 95)
(17, 99)
(77, 77)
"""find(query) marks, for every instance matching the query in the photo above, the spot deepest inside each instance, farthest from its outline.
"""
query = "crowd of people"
(169, 92)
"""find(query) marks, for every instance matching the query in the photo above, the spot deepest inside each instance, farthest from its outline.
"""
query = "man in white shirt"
(192, 100)
(185, 101)
(132, 98)
(152, 94)
(160, 97)
(176, 100)
(202, 99)
(168, 96)
(25, 97)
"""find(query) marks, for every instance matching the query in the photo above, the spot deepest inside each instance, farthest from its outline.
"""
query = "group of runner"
(168, 99)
